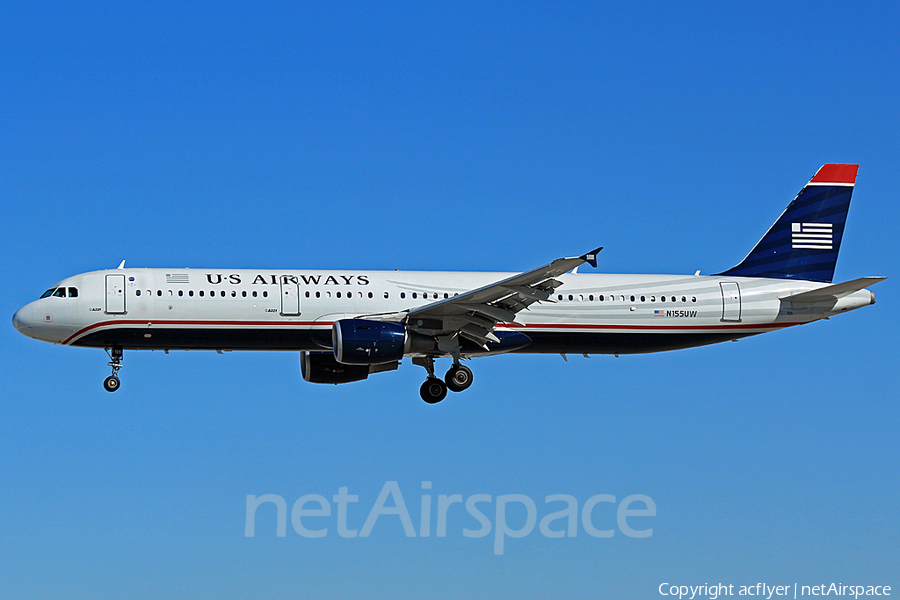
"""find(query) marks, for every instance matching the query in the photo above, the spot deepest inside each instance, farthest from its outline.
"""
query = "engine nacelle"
(320, 367)
(364, 342)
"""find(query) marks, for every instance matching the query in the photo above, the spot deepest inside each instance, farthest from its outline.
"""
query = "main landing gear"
(111, 383)
(457, 379)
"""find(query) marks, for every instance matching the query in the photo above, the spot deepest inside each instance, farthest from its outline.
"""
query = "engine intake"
(364, 342)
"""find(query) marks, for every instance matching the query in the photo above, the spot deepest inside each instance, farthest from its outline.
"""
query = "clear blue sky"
(473, 137)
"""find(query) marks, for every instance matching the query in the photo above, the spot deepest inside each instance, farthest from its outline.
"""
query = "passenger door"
(115, 294)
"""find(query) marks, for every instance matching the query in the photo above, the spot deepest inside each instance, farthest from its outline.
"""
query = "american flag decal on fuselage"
(812, 236)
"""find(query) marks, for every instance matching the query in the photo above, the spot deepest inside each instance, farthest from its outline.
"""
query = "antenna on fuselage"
(121, 265)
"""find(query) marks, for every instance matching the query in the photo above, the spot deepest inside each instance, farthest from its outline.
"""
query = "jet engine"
(320, 367)
(365, 342)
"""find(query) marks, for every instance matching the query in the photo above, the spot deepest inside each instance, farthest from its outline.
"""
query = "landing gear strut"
(457, 379)
(112, 383)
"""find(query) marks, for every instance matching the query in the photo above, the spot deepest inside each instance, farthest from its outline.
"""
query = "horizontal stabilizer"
(833, 292)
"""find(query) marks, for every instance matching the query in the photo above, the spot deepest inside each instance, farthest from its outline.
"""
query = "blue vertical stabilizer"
(804, 242)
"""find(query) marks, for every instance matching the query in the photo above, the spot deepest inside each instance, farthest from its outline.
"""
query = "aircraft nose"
(22, 320)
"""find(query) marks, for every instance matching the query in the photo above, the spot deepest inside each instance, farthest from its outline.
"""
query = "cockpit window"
(73, 292)
(48, 293)
(60, 293)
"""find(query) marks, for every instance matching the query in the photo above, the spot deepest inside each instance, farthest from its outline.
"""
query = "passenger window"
(570, 297)
(191, 293)
(265, 294)
(73, 292)
(632, 298)
(403, 294)
(338, 294)
(693, 298)
(387, 295)
(683, 299)
(662, 298)
(307, 294)
(559, 297)
(222, 293)
(370, 294)
(652, 298)
(643, 299)
(414, 295)
(601, 297)
(201, 293)
(181, 292)
(159, 292)
(233, 294)
(136, 292)
(318, 294)
(591, 297)
(244, 294)
(446, 295)
(254, 293)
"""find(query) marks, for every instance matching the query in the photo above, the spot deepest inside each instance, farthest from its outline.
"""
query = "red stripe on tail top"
(836, 174)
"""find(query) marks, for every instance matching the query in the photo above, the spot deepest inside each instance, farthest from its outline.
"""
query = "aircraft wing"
(474, 314)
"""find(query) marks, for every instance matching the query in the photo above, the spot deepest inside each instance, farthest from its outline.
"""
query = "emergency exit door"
(290, 298)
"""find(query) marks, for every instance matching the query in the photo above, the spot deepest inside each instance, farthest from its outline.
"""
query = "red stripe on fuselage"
(145, 323)
(532, 326)
(652, 327)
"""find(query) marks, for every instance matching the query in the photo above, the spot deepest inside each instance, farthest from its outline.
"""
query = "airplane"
(348, 325)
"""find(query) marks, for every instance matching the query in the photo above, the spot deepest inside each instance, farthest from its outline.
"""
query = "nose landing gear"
(112, 383)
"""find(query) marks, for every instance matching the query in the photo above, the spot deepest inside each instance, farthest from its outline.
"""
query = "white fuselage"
(172, 309)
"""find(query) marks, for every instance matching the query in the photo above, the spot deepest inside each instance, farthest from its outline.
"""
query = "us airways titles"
(272, 279)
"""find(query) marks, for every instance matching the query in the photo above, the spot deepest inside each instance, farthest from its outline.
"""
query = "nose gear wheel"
(112, 383)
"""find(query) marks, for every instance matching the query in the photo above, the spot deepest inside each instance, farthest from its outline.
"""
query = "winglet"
(591, 257)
